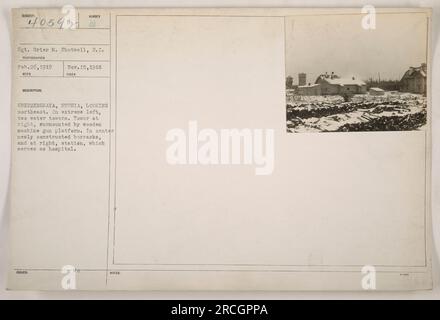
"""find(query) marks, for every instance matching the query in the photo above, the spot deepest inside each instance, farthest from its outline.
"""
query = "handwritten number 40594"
(61, 23)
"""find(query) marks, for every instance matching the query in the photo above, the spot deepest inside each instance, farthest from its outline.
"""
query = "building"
(331, 84)
(414, 80)
(376, 92)
(310, 89)
(289, 82)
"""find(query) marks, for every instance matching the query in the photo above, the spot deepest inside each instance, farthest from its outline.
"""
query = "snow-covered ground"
(394, 111)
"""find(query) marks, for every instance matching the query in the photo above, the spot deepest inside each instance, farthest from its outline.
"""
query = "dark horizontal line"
(65, 77)
(63, 29)
(270, 265)
(197, 15)
(40, 60)
(201, 270)
(41, 76)
(329, 13)
(64, 44)
(73, 77)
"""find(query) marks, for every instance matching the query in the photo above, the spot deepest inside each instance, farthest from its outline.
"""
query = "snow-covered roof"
(334, 79)
(412, 71)
(376, 89)
(345, 81)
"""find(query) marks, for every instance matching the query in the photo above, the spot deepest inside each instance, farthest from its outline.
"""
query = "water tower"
(302, 79)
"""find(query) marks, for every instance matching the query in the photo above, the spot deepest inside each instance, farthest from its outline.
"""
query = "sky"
(338, 43)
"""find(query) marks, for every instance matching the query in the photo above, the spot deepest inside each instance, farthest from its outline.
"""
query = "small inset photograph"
(344, 76)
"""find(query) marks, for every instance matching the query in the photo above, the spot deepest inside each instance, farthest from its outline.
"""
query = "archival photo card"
(151, 149)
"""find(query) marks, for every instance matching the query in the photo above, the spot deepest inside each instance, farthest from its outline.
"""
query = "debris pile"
(392, 112)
